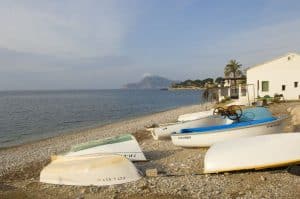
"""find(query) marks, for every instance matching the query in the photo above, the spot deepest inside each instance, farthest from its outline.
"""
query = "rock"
(93, 189)
(241, 193)
(151, 173)
(263, 178)
(83, 191)
(143, 187)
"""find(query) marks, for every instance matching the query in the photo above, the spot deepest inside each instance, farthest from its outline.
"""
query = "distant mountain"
(150, 82)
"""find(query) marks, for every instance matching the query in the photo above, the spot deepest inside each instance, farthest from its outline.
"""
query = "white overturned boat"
(97, 170)
(257, 152)
(261, 124)
(125, 145)
(165, 130)
(195, 116)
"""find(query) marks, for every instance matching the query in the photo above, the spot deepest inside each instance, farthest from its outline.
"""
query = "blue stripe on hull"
(228, 126)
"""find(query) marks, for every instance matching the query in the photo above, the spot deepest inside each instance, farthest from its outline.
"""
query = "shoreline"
(186, 88)
(96, 126)
(180, 173)
(41, 150)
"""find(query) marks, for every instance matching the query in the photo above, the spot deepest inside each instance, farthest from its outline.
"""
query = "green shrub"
(277, 97)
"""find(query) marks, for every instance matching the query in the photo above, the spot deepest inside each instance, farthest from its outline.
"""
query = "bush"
(277, 98)
(264, 102)
(226, 99)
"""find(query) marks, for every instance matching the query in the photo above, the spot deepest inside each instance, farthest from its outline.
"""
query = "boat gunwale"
(187, 121)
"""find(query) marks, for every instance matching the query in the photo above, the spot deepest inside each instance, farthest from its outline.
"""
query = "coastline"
(16, 158)
(186, 88)
(180, 169)
(100, 125)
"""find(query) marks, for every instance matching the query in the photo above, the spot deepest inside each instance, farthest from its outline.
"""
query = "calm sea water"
(32, 115)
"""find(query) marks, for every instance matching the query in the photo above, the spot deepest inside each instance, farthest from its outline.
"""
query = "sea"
(33, 115)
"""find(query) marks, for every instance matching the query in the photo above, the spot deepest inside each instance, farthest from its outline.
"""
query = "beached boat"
(125, 145)
(195, 116)
(99, 170)
(165, 130)
(206, 136)
(254, 121)
(259, 152)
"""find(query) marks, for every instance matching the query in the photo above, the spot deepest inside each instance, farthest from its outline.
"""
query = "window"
(257, 85)
(295, 84)
(265, 86)
(283, 87)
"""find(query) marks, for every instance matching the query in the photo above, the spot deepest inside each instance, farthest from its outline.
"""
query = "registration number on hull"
(184, 137)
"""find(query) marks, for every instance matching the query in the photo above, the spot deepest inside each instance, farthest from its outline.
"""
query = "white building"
(279, 76)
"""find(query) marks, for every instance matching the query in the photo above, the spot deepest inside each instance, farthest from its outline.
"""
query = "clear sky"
(96, 44)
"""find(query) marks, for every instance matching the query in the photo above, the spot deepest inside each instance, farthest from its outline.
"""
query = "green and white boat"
(125, 145)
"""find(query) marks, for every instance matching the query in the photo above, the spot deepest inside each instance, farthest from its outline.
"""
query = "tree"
(219, 80)
(233, 69)
(208, 80)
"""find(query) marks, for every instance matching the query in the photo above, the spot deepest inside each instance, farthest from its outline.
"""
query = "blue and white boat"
(254, 121)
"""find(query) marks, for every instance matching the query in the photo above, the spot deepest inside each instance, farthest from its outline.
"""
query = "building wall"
(282, 71)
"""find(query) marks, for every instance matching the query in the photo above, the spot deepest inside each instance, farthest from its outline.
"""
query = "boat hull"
(125, 145)
(258, 152)
(206, 139)
(165, 131)
(99, 170)
(194, 116)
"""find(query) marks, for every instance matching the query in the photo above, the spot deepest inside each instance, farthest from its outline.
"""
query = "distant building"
(278, 76)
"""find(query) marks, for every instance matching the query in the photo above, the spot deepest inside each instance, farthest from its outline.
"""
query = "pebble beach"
(179, 169)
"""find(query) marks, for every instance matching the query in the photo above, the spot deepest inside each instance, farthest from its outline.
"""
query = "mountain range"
(150, 82)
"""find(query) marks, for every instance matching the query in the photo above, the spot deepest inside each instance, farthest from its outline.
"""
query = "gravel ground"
(180, 169)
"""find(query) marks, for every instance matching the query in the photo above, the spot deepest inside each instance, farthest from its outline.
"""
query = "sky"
(103, 44)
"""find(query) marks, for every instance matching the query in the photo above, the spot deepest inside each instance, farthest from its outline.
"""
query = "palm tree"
(233, 68)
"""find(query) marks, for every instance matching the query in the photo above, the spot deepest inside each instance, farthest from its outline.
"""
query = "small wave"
(29, 133)
(68, 122)
(7, 140)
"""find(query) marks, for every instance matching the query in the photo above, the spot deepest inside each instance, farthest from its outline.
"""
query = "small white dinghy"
(97, 170)
(259, 152)
(125, 145)
(164, 131)
(195, 116)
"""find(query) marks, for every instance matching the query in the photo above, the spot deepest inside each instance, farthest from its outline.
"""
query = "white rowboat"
(165, 131)
(97, 170)
(125, 145)
(207, 136)
(257, 152)
(195, 116)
